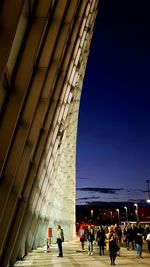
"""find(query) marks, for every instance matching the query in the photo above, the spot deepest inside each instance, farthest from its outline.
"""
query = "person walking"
(113, 248)
(118, 233)
(90, 239)
(139, 241)
(82, 236)
(147, 236)
(148, 241)
(60, 239)
(101, 239)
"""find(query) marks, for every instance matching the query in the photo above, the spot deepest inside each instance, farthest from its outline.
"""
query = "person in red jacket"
(82, 236)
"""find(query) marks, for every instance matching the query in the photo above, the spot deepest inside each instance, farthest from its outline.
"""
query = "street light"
(118, 215)
(148, 190)
(111, 217)
(137, 211)
(126, 213)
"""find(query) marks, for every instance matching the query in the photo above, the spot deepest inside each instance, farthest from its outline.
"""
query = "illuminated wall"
(43, 55)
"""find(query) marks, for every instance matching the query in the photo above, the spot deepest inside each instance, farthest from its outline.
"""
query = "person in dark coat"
(113, 248)
(101, 240)
(129, 236)
(139, 241)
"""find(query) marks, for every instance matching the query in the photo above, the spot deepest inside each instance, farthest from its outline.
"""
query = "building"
(43, 55)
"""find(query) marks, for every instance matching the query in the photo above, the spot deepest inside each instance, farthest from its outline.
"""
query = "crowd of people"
(111, 238)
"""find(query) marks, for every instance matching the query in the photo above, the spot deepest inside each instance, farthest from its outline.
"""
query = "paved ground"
(74, 257)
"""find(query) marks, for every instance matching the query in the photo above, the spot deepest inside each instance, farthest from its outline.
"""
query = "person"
(118, 233)
(90, 239)
(125, 235)
(139, 241)
(148, 242)
(131, 236)
(82, 236)
(147, 236)
(113, 248)
(101, 239)
(60, 238)
(107, 234)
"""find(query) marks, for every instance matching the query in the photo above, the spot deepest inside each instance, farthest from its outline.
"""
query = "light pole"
(137, 211)
(126, 213)
(91, 219)
(111, 217)
(148, 190)
(118, 215)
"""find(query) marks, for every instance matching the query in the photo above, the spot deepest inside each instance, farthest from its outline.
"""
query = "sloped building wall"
(45, 47)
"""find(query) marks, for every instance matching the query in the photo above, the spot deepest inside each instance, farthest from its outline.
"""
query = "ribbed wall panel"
(41, 83)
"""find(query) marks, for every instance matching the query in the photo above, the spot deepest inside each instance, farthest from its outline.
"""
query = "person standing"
(59, 240)
(131, 236)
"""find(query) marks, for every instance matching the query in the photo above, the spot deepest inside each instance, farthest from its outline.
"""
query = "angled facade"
(44, 49)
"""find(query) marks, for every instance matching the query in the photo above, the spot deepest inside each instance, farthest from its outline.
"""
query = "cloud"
(116, 197)
(82, 198)
(143, 191)
(136, 190)
(82, 178)
(100, 190)
(135, 200)
(87, 198)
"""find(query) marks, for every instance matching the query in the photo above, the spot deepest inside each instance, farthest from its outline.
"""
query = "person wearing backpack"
(60, 239)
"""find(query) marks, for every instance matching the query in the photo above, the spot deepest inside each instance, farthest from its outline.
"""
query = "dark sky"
(113, 149)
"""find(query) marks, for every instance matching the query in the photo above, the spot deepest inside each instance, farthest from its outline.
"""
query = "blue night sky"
(113, 148)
